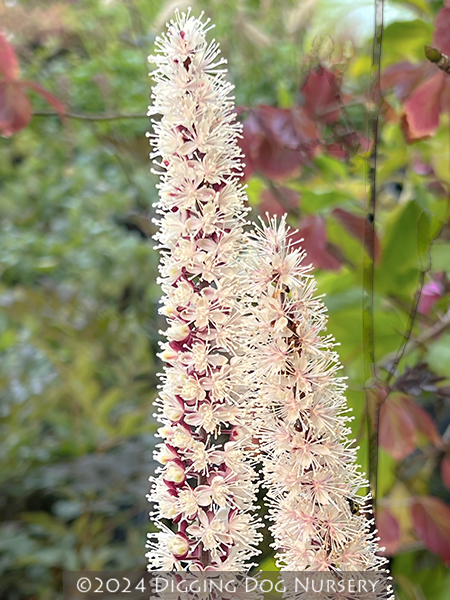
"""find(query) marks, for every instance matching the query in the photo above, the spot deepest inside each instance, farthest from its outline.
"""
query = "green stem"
(372, 405)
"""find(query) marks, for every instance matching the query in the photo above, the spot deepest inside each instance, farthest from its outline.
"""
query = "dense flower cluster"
(319, 520)
(246, 358)
(205, 485)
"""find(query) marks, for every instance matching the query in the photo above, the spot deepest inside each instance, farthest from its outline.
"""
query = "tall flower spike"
(204, 491)
(319, 520)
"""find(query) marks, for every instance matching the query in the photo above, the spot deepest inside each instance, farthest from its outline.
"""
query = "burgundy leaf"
(271, 140)
(445, 470)
(312, 229)
(422, 420)
(404, 77)
(15, 108)
(441, 38)
(346, 145)
(359, 227)
(279, 200)
(431, 521)
(445, 96)
(388, 530)
(319, 99)
(421, 116)
(9, 66)
(337, 151)
(397, 433)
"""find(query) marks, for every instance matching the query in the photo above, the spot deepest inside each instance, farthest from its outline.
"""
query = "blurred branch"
(428, 229)
(411, 318)
(401, 304)
(85, 117)
(429, 333)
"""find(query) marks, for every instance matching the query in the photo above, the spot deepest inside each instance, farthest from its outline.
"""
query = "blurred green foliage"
(78, 293)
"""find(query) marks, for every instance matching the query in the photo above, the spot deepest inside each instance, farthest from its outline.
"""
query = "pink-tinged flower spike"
(319, 520)
(204, 491)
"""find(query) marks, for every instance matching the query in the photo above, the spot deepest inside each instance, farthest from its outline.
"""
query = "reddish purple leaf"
(422, 420)
(320, 102)
(441, 38)
(337, 151)
(445, 470)
(278, 201)
(312, 229)
(359, 227)
(404, 77)
(388, 530)
(15, 108)
(397, 433)
(445, 96)
(9, 67)
(271, 140)
(431, 521)
(422, 109)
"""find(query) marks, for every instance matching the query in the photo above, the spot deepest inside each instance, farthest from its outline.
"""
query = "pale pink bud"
(179, 546)
(175, 473)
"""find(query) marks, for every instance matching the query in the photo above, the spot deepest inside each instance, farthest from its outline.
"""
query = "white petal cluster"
(319, 520)
(245, 353)
(204, 493)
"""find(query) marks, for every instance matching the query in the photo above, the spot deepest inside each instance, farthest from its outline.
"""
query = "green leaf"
(348, 299)
(331, 168)
(428, 228)
(438, 354)
(397, 273)
(254, 188)
(422, 5)
(440, 253)
(406, 39)
(315, 201)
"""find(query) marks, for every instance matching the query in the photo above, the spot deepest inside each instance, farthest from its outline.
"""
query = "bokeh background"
(78, 294)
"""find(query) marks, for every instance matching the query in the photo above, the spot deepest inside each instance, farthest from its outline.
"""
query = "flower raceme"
(205, 487)
(319, 522)
(245, 356)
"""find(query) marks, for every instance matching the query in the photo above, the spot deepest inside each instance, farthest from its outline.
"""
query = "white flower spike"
(319, 522)
(245, 354)
(204, 493)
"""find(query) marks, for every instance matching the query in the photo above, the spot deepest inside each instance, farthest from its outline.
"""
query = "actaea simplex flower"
(319, 521)
(245, 356)
(205, 487)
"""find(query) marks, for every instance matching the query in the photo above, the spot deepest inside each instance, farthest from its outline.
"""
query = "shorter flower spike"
(319, 520)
